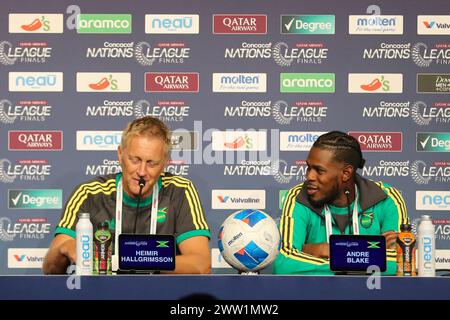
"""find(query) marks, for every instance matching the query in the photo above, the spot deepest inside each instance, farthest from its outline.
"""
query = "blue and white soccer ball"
(249, 240)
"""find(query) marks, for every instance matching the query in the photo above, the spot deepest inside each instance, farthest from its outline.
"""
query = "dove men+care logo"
(307, 24)
(433, 141)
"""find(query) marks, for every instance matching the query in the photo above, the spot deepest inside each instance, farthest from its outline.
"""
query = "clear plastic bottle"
(84, 242)
(426, 249)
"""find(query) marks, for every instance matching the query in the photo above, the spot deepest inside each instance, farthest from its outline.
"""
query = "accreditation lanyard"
(119, 212)
(354, 217)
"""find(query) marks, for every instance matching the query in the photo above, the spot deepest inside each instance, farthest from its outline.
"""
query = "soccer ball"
(249, 240)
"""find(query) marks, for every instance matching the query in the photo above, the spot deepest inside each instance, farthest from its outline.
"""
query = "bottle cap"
(405, 227)
(103, 225)
(83, 215)
(425, 217)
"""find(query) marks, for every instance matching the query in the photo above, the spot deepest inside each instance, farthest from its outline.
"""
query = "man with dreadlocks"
(320, 207)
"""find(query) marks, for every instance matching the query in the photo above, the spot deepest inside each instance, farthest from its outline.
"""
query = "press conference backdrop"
(247, 86)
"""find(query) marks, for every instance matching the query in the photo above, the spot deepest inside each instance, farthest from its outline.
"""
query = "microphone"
(141, 186)
(347, 195)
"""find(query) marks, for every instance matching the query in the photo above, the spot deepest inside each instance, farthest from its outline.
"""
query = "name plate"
(356, 253)
(146, 252)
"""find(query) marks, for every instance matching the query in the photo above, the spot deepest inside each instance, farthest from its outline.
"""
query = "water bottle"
(84, 244)
(426, 249)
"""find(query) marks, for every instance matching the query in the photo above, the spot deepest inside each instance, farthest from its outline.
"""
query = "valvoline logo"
(429, 25)
(223, 199)
(19, 258)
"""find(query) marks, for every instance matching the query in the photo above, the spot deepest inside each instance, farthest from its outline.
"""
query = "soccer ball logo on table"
(249, 240)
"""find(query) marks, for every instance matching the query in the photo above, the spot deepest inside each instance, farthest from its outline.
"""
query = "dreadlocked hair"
(345, 148)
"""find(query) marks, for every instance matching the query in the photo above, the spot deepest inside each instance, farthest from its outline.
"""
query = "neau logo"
(36, 81)
(172, 23)
(98, 140)
(239, 24)
(432, 200)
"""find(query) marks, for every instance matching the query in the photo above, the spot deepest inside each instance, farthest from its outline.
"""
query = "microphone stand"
(347, 195)
(141, 186)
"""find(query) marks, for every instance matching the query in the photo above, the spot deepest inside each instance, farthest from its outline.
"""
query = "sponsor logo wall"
(246, 92)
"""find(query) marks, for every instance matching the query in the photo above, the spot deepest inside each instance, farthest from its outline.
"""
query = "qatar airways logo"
(379, 141)
(171, 82)
(25, 52)
(239, 24)
(35, 140)
(24, 110)
(282, 54)
(24, 170)
(424, 173)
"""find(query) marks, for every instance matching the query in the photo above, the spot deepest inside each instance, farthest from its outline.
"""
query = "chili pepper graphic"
(236, 144)
(102, 84)
(35, 25)
(374, 85)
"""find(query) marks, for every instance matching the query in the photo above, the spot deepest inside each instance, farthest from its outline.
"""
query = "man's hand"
(391, 239)
(319, 250)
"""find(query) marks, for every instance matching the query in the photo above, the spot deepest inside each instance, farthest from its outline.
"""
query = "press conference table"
(223, 287)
